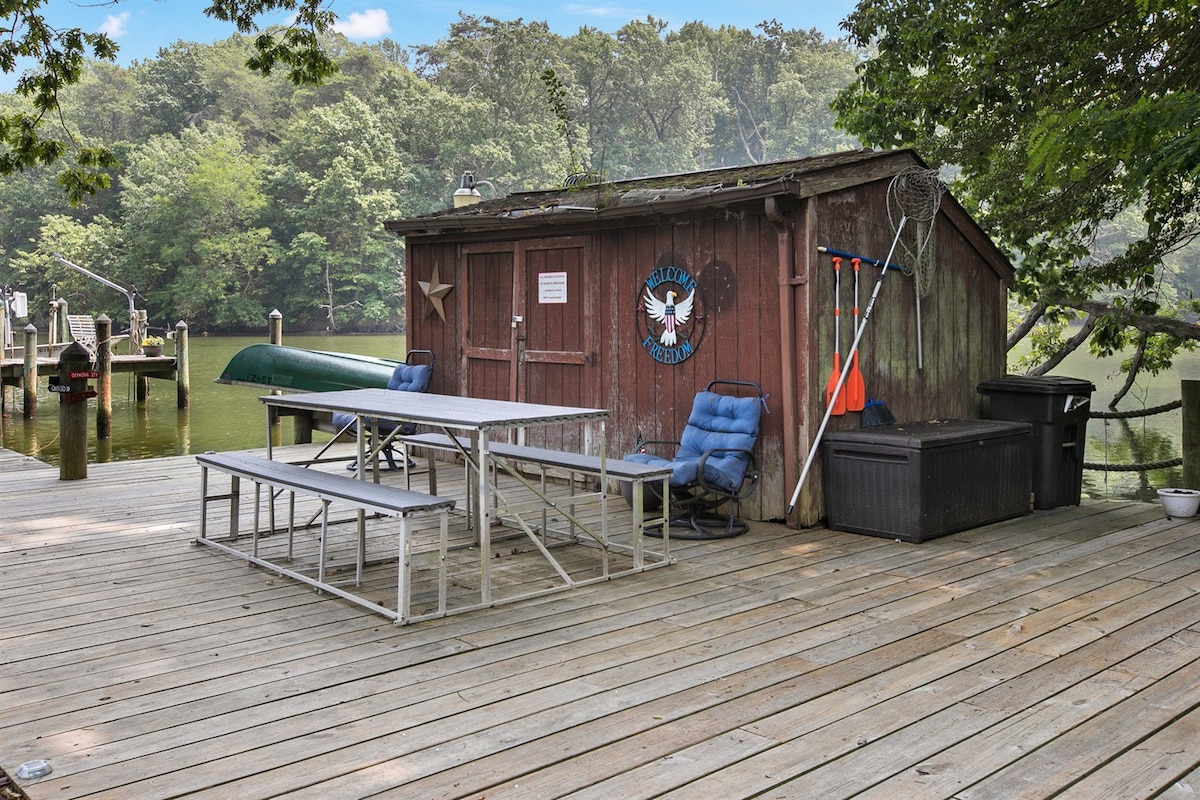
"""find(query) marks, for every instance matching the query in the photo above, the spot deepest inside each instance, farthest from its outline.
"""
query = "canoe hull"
(291, 369)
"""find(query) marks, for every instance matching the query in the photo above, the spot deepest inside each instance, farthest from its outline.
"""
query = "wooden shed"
(539, 296)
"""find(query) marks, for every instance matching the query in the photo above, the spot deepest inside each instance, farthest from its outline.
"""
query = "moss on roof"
(587, 195)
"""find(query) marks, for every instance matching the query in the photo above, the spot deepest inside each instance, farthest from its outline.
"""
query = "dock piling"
(74, 365)
(29, 380)
(183, 380)
(1189, 394)
(104, 411)
(275, 336)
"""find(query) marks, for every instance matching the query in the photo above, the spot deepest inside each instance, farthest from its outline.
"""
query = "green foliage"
(193, 235)
(230, 194)
(297, 47)
(1062, 118)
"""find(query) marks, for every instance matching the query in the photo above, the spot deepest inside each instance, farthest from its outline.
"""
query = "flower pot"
(1180, 502)
(152, 350)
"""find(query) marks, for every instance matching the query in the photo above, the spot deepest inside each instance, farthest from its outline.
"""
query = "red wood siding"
(734, 255)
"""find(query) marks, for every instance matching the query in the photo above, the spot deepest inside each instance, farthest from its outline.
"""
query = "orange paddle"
(856, 392)
(832, 395)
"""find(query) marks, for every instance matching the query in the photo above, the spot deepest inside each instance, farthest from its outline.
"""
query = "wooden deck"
(1050, 656)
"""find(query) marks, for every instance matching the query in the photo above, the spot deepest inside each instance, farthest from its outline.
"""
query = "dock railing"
(1189, 459)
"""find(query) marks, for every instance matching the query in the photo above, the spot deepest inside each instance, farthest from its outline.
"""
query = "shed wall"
(734, 255)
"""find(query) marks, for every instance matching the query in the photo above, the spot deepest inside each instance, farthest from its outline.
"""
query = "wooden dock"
(1055, 655)
(12, 370)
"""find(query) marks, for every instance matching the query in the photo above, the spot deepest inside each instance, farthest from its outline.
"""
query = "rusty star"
(434, 290)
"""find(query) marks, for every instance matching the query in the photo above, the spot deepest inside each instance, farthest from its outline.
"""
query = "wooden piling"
(1189, 392)
(183, 379)
(72, 412)
(29, 381)
(104, 412)
(275, 336)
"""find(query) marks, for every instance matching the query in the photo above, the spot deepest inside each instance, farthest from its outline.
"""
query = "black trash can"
(1058, 409)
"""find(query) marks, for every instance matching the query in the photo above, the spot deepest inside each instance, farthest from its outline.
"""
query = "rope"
(1174, 462)
(1145, 412)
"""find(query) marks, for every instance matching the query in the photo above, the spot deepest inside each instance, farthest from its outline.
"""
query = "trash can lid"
(1038, 384)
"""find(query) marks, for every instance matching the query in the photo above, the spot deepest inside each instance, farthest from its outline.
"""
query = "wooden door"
(530, 332)
(489, 354)
(556, 358)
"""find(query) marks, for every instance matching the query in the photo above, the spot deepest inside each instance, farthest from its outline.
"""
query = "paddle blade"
(839, 402)
(855, 390)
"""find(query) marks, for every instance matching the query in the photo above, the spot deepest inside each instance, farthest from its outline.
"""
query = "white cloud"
(369, 24)
(604, 12)
(114, 25)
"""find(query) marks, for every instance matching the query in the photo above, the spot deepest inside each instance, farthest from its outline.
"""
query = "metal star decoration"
(434, 290)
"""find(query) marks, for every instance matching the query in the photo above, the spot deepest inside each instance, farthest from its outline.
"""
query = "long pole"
(862, 326)
(135, 328)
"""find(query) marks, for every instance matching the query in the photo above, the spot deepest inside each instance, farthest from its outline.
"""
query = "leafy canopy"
(1060, 115)
(60, 57)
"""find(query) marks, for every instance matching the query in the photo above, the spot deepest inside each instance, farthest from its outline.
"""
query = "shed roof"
(595, 201)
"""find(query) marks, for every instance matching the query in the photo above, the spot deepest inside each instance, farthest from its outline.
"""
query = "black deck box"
(918, 481)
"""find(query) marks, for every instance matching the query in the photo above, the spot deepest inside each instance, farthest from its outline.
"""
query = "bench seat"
(373, 497)
(632, 474)
(364, 496)
(574, 462)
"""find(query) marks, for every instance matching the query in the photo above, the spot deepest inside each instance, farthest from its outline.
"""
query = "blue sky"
(141, 27)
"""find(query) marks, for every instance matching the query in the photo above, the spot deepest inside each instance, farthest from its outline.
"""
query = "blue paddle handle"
(873, 261)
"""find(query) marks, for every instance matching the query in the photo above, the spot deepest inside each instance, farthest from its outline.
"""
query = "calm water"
(221, 417)
(231, 417)
(1135, 441)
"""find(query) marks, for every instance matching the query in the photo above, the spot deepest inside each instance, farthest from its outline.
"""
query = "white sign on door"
(552, 287)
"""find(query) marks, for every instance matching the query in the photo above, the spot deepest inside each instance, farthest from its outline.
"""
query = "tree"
(340, 176)
(60, 57)
(667, 128)
(94, 244)
(497, 67)
(173, 90)
(194, 242)
(777, 84)
(1059, 116)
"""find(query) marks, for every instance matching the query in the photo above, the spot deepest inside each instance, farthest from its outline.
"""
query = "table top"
(437, 409)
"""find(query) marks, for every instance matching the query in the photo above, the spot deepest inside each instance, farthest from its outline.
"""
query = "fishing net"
(913, 199)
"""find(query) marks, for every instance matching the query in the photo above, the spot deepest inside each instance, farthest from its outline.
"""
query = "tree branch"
(1135, 366)
(1069, 347)
(1145, 323)
(1031, 319)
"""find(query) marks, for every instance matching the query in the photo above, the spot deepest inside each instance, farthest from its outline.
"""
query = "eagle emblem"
(670, 306)
(669, 313)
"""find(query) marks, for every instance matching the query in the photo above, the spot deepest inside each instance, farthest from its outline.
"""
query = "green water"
(220, 418)
(232, 418)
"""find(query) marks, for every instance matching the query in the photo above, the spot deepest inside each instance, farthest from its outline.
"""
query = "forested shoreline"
(237, 194)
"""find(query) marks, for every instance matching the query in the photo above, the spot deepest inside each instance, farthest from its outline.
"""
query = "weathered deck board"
(1051, 655)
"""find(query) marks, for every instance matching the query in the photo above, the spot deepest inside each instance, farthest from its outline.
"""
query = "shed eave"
(533, 217)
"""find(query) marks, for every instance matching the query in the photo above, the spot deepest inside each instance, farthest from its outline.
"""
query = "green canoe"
(273, 366)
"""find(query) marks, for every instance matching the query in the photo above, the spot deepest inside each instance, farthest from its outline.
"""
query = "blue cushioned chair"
(407, 377)
(714, 464)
